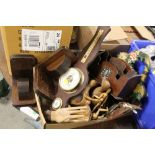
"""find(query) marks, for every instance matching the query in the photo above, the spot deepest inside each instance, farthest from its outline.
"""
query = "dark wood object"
(22, 79)
(122, 78)
(46, 74)
(86, 58)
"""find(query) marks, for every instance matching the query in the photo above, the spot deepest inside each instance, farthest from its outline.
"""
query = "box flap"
(144, 32)
(116, 33)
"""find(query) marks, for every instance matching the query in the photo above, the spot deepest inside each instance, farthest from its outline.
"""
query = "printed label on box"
(40, 40)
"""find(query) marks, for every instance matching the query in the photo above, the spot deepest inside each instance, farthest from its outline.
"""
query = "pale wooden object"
(84, 100)
(96, 115)
(71, 114)
(99, 91)
(104, 97)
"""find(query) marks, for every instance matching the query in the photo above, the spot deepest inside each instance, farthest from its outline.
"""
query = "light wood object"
(70, 114)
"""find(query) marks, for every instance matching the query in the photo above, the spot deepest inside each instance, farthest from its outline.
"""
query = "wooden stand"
(47, 73)
(22, 79)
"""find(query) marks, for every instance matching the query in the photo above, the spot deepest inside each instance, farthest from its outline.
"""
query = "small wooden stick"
(96, 115)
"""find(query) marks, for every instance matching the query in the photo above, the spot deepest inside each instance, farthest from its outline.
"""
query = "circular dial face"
(70, 79)
(57, 103)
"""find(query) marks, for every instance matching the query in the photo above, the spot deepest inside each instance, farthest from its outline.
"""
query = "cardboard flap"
(146, 34)
(116, 33)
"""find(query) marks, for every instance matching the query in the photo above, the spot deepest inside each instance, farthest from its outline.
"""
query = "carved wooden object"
(22, 82)
(70, 114)
(46, 74)
(122, 78)
(73, 82)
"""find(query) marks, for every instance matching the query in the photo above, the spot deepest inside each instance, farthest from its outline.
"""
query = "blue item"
(138, 44)
(146, 117)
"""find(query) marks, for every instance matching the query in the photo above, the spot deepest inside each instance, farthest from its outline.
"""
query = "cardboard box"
(3, 64)
(102, 123)
(41, 43)
(118, 35)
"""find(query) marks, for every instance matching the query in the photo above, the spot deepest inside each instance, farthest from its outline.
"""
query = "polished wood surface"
(86, 58)
(46, 73)
(22, 73)
(120, 76)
